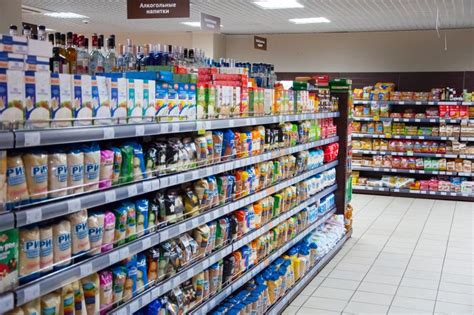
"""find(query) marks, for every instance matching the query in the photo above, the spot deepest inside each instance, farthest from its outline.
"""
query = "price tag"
(32, 139)
(146, 243)
(401, 102)
(86, 269)
(6, 302)
(124, 252)
(109, 133)
(180, 178)
(139, 130)
(409, 153)
(32, 292)
(175, 282)
(164, 235)
(155, 184)
(443, 193)
(73, 205)
(110, 196)
(146, 298)
(113, 257)
(181, 228)
(132, 190)
(147, 186)
(34, 216)
(231, 123)
(175, 127)
(171, 180)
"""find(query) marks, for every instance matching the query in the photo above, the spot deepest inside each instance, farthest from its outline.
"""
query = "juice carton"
(201, 105)
(61, 100)
(192, 102)
(149, 100)
(12, 94)
(173, 104)
(182, 89)
(37, 98)
(135, 100)
(101, 101)
(118, 99)
(161, 101)
(82, 106)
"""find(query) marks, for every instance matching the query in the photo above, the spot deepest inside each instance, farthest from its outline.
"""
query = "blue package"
(139, 168)
(141, 208)
(131, 266)
(142, 279)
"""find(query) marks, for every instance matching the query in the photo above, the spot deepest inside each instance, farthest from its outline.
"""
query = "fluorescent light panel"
(192, 24)
(65, 15)
(310, 20)
(278, 4)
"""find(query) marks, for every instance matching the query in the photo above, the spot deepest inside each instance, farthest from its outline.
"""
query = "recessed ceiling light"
(310, 20)
(50, 30)
(278, 4)
(192, 24)
(65, 15)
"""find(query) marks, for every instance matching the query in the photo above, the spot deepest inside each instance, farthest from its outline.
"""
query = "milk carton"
(101, 101)
(37, 98)
(82, 100)
(12, 95)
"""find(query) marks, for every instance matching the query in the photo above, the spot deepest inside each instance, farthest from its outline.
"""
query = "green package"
(126, 171)
(8, 260)
(277, 198)
(120, 225)
(131, 229)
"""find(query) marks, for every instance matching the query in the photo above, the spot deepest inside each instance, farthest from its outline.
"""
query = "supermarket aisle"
(406, 256)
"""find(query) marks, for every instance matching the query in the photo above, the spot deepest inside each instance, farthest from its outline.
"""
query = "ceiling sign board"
(210, 23)
(259, 43)
(157, 9)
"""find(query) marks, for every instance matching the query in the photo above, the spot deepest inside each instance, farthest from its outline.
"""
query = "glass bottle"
(13, 30)
(71, 54)
(121, 58)
(130, 59)
(42, 32)
(96, 64)
(83, 57)
(111, 59)
(27, 31)
(56, 62)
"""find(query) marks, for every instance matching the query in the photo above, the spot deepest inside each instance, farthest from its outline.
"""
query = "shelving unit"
(418, 174)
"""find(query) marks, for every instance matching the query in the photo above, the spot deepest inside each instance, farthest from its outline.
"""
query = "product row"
(376, 110)
(437, 184)
(142, 271)
(35, 175)
(81, 235)
(389, 128)
(414, 163)
(384, 91)
(421, 146)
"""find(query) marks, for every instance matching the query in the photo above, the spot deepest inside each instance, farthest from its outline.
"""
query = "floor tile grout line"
(381, 213)
(444, 257)
(411, 256)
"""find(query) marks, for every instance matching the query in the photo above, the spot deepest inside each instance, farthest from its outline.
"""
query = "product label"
(61, 173)
(81, 230)
(92, 171)
(77, 172)
(39, 173)
(15, 176)
(64, 241)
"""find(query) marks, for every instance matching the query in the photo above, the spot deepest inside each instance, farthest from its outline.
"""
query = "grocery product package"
(9, 259)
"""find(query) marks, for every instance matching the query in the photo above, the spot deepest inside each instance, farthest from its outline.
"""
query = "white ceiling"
(242, 17)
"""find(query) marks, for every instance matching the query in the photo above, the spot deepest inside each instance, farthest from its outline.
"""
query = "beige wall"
(360, 52)
(10, 13)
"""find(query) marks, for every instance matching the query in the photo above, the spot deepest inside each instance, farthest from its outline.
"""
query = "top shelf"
(43, 137)
(422, 103)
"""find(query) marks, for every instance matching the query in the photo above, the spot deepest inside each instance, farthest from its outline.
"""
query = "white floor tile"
(349, 275)
(299, 300)
(395, 310)
(418, 293)
(456, 287)
(340, 294)
(290, 310)
(459, 298)
(378, 278)
(377, 288)
(340, 284)
(416, 304)
(365, 308)
(325, 304)
(419, 283)
(314, 311)
(373, 298)
(452, 308)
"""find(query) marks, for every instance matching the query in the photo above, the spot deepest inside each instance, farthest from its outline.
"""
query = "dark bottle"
(56, 62)
(13, 30)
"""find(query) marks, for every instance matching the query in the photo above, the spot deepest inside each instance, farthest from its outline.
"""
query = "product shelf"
(405, 171)
(56, 208)
(420, 103)
(162, 288)
(367, 188)
(413, 120)
(56, 280)
(392, 136)
(43, 137)
(279, 306)
(438, 155)
(404, 192)
(243, 279)
(471, 139)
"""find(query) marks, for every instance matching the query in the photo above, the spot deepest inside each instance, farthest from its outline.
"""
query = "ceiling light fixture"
(278, 4)
(310, 20)
(65, 15)
(192, 24)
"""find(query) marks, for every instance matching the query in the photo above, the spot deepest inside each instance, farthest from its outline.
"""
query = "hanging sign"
(210, 23)
(259, 43)
(157, 9)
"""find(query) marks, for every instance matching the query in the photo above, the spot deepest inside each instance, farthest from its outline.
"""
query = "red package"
(443, 111)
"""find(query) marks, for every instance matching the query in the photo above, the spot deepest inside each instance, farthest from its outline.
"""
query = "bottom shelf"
(280, 305)
(403, 192)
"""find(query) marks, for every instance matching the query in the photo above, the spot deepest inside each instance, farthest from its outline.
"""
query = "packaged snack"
(117, 166)
(126, 169)
(106, 292)
(79, 232)
(75, 164)
(108, 235)
(32, 307)
(131, 228)
(130, 286)
(57, 174)
(228, 145)
(29, 247)
(121, 215)
(217, 139)
(142, 216)
(142, 273)
(91, 289)
(106, 168)
(138, 162)
(46, 248)
(79, 301)
(9, 247)
(62, 242)
(67, 300)
(91, 167)
(119, 275)
(51, 303)
(95, 224)
(36, 167)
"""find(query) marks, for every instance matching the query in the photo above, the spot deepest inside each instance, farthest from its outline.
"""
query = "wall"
(360, 52)
(10, 13)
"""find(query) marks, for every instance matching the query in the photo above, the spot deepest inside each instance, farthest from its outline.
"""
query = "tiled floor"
(406, 256)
